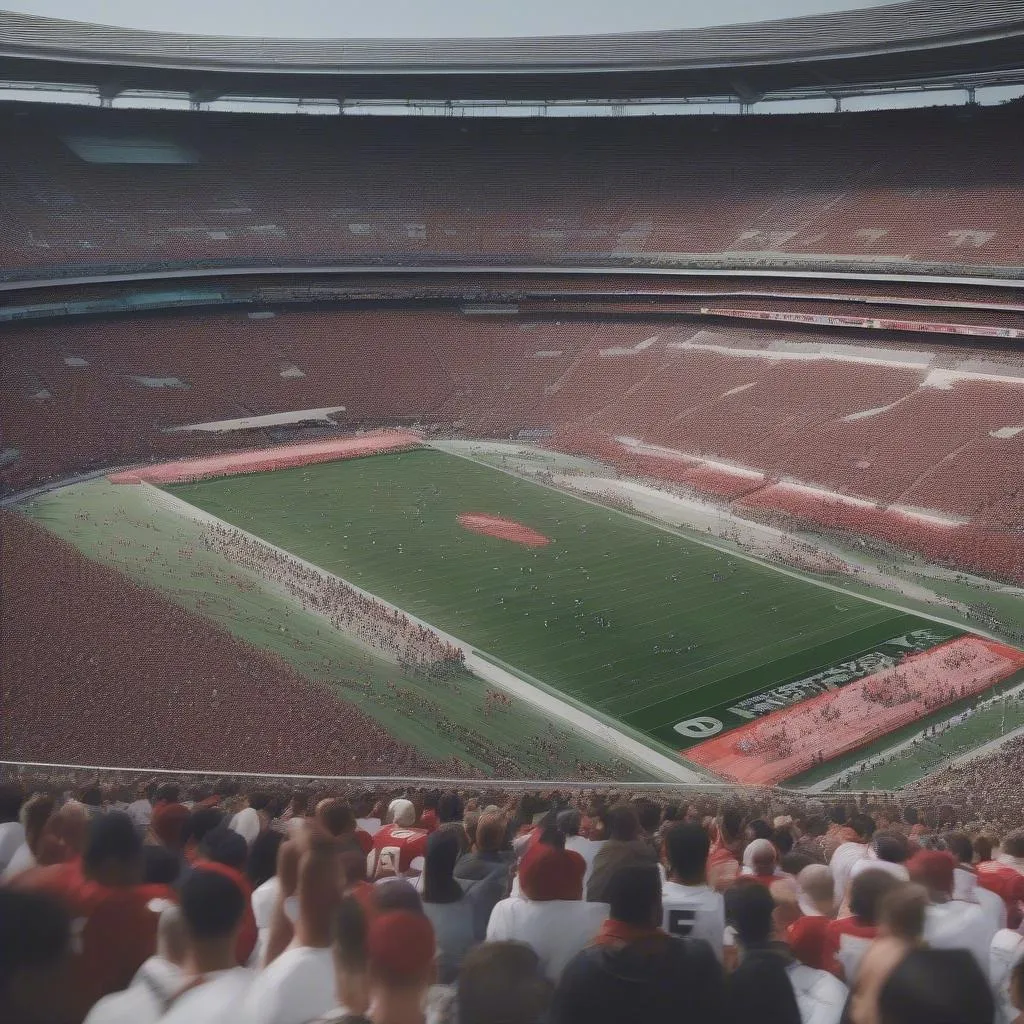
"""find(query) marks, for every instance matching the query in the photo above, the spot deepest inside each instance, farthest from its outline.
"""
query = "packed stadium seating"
(269, 191)
(898, 424)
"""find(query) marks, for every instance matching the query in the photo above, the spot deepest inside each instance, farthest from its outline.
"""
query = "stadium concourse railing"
(52, 773)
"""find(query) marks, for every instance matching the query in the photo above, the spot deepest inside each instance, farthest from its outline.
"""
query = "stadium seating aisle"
(204, 902)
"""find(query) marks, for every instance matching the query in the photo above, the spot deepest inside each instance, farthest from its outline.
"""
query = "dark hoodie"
(660, 979)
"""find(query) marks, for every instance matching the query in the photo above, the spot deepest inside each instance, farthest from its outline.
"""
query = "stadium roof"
(915, 40)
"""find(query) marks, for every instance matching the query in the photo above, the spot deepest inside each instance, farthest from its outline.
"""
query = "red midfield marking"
(786, 742)
(504, 529)
(264, 459)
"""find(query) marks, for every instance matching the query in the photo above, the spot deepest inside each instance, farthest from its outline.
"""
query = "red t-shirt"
(428, 821)
(723, 867)
(1007, 883)
(399, 844)
(113, 929)
(365, 840)
(807, 937)
(846, 942)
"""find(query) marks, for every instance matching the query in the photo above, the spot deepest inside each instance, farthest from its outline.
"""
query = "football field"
(650, 628)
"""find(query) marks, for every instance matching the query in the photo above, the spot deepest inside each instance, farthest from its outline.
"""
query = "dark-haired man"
(211, 908)
(692, 909)
(636, 971)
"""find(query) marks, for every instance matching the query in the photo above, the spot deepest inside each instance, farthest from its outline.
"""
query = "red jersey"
(398, 845)
(808, 938)
(1007, 883)
(428, 820)
(723, 868)
(365, 840)
(846, 942)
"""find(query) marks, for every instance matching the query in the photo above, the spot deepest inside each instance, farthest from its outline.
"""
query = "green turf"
(646, 626)
(122, 527)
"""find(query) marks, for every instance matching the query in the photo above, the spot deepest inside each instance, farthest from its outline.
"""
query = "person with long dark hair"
(446, 903)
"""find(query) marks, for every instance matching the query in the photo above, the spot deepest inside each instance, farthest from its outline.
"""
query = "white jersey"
(694, 912)
(820, 997)
(1007, 950)
(958, 925)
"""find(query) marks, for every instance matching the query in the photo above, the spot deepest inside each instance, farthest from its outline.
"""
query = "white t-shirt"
(556, 930)
(214, 1001)
(297, 987)
(264, 899)
(247, 824)
(588, 850)
(143, 1001)
(696, 912)
(841, 865)
(141, 813)
(1006, 951)
(12, 836)
(820, 996)
(966, 888)
(959, 925)
(21, 860)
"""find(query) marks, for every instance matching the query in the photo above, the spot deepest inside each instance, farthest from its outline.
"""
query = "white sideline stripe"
(608, 737)
(270, 420)
(674, 453)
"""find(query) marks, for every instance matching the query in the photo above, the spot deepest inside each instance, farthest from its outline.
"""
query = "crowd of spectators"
(416, 648)
(165, 903)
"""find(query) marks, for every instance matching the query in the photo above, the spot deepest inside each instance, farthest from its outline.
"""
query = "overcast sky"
(423, 18)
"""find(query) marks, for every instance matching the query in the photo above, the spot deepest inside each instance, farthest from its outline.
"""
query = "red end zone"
(503, 529)
(264, 459)
(793, 739)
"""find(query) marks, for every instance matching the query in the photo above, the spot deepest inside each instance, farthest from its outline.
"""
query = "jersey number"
(680, 922)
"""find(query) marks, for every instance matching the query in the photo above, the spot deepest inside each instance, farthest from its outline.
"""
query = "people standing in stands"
(847, 938)
(724, 860)
(398, 844)
(691, 908)
(213, 986)
(624, 844)
(769, 984)
(634, 970)
(550, 916)
(807, 935)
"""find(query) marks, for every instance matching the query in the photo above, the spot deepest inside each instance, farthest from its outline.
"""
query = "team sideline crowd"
(204, 903)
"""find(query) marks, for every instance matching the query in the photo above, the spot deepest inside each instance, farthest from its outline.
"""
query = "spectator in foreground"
(299, 985)
(965, 881)
(690, 907)
(211, 906)
(451, 911)
(155, 982)
(401, 971)
(551, 919)
(624, 844)
(770, 986)
(808, 934)
(848, 938)
(900, 930)
(636, 971)
(35, 959)
(503, 981)
(933, 986)
(950, 923)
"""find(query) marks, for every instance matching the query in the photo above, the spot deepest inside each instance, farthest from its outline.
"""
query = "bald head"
(761, 856)
(402, 812)
(817, 885)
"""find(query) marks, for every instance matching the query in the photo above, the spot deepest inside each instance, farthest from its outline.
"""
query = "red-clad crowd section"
(734, 413)
(791, 740)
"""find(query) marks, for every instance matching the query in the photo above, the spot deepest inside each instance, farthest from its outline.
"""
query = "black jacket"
(760, 990)
(667, 979)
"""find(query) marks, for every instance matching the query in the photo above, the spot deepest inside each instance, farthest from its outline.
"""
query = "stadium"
(581, 475)
(680, 448)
